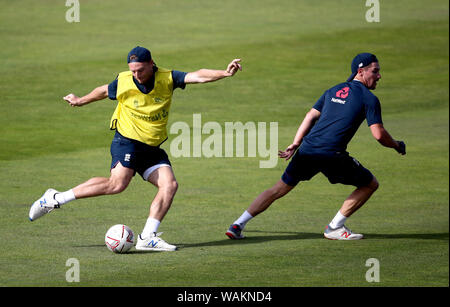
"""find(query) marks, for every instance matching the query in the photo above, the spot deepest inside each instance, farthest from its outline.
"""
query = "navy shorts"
(140, 157)
(338, 168)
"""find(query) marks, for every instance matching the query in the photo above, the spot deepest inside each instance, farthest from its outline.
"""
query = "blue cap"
(139, 54)
(361, 60)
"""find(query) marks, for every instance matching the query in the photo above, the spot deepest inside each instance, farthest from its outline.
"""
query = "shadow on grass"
(422, 236)
(103, 247)
(280, 236)
(288, 236)
(275, 236)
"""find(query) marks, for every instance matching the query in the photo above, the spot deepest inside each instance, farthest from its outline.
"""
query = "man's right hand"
(289, 152)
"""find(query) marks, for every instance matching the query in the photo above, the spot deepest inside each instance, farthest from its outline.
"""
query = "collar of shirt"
(148, 86)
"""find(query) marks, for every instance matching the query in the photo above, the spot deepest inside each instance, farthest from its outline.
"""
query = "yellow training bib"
(143, 117)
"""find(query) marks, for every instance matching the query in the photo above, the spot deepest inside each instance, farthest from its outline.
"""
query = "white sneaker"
(154, 243)
(342, 233)
(43, 205)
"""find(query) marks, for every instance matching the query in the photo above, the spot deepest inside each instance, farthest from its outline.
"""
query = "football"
(119, 238)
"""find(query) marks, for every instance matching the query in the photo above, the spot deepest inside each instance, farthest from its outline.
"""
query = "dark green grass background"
(291, 52)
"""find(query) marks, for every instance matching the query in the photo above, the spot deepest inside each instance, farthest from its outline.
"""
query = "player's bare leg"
(358, 198)
(149, 240)
(116, 183)
(266, 198)
(336, 230)
(260, 204)
(164, 179)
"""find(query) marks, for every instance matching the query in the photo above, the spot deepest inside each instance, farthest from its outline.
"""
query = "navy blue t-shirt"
(343, 108)
(177, 77)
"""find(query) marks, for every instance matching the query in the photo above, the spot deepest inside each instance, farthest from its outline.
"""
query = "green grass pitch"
(291, 52)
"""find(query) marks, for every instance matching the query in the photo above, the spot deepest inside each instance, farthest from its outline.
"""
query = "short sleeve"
(319, 104)
(373, 111)
(178, 79)
(112, 90)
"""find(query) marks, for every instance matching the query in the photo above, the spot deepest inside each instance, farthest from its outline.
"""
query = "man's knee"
(117, 185)
(173, 186)
(170, 187)
(119, 179)
(280, 189)
(118, 182)
(373, 185)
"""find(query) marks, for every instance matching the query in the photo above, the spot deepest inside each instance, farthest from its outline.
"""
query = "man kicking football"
(322, 140)
(144, 95)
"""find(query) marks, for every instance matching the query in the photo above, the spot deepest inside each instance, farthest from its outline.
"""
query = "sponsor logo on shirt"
(338, 100)
(342, 93)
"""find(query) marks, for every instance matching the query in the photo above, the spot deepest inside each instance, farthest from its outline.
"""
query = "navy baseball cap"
(139, 54)
(361, 60)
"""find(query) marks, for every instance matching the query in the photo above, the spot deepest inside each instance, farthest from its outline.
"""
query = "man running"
(322, 140)
(144, 95)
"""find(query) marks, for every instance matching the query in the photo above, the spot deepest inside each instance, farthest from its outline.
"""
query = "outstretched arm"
(98, 93)
(385, 139)
(211, 75)
(310, 119)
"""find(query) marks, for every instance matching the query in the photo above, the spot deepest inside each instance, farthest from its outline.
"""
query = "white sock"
(243, 219)
(64, 197)
(338, 220)
(150, 227)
